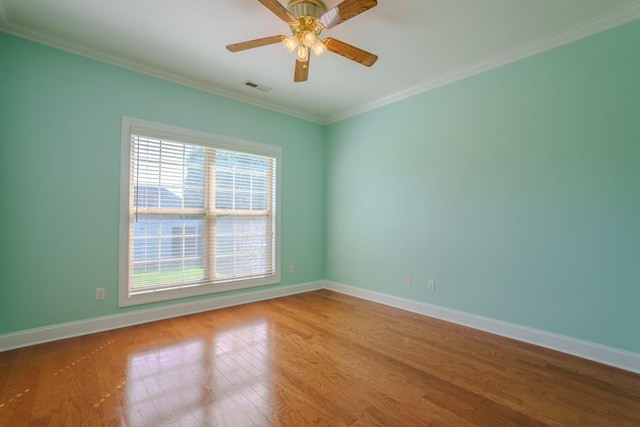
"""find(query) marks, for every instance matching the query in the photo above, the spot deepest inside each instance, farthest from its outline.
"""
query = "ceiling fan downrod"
(307, 8)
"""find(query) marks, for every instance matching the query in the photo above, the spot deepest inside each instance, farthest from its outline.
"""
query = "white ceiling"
(421, 43)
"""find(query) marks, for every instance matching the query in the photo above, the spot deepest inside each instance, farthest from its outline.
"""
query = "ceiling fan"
(308, 19)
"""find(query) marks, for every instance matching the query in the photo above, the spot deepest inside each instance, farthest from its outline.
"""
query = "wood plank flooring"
(318, 359)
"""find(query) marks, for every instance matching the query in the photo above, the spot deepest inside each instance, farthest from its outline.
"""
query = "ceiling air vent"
(258, 86)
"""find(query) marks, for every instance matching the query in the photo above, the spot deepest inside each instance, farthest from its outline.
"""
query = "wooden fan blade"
(279, 10)
(237, 47)
(345, 10)
(302, 71)
(350, 52)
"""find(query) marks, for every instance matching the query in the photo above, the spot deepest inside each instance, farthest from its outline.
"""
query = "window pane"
(242, 201)
(194, 178)
(224, 268)
(259, 202)
(224, 200)
(167, 249)
(224, 179)
(224, 244)
(167, 174)
(259, 183)
(244, 161)
(243, 181)
(249, 236)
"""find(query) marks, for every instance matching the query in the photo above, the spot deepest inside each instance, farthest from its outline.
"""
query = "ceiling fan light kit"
(307, 20)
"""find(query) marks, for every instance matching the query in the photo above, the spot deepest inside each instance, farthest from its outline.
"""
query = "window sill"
(174, 294)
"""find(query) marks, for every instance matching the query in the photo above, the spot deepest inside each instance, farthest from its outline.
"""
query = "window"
(199, 213)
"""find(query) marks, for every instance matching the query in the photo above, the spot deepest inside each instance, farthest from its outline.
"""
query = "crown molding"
(66, 45)
(579, 31)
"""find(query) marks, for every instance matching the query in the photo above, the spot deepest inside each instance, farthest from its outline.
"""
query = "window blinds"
(198, 215)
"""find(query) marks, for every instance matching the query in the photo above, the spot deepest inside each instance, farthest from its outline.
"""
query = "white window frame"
(167, 132)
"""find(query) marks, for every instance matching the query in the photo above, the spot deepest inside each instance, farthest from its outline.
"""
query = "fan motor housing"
(307, 8)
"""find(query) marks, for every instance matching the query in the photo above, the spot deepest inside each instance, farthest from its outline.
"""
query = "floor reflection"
(221, 380)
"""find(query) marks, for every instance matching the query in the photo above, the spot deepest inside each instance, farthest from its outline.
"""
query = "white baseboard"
(584, 349)
(83, 327)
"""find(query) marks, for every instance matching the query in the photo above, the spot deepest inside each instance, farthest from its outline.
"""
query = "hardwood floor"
(319, 358)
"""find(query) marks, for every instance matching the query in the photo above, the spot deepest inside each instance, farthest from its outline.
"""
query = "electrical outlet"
(99, 294)
(432, 285)
(291, 269)
(407, 280)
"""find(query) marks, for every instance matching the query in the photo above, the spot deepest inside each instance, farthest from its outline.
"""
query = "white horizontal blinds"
(198, 215)
(167, 214)
(244, 193)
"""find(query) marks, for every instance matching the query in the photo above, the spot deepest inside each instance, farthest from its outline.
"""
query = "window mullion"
(182, 237)
(210, 216)
(270, 182)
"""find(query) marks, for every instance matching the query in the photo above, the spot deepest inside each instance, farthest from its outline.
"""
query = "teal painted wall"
(517, 190)
(60, 124)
